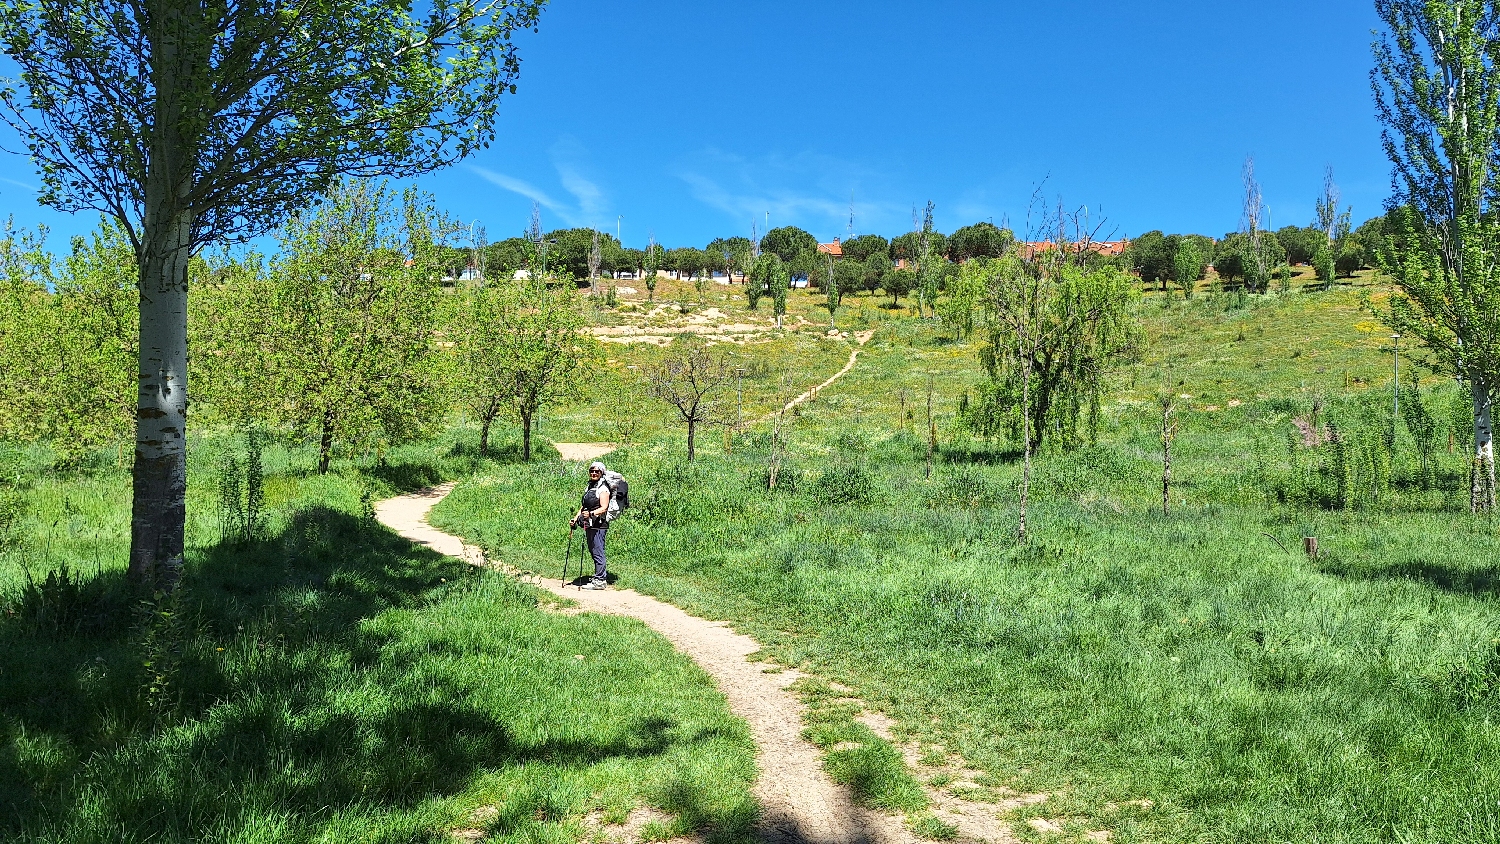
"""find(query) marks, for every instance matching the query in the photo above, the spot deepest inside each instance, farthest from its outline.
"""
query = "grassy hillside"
(1197, 661)
(336, 683)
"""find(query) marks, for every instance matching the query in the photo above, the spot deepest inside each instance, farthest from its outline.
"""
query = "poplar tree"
(1437, 90)
(195, 123)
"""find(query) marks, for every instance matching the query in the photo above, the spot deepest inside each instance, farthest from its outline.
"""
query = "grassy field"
(1197, 661)
(1189, 677)
(331, 682)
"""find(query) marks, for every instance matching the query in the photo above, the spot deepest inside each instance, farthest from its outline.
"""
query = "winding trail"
(863, 337)
(799, 802)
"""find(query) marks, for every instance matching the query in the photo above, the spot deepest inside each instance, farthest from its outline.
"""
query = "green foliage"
(765, 276)
(517, 347)
(981, 240)
(787, 242)
(242, 491)
(961, 307)
(335, 339)
(1301, 244)
(568, 250)
(1187, 267)
(68, 340)
(1069, 329)
(1151, 256)
(1324, 263)
(859, 249)
(898, 283)
(1438, 96)
(908, 247)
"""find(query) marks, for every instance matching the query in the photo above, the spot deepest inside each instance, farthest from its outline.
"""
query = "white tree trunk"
(159, 505)
(1482, 492)
(158, 513)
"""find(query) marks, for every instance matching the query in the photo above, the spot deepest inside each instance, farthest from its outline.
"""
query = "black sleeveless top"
(591, 495)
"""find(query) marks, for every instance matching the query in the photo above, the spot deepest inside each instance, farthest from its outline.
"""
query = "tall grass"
(1198, 661)
(331, 682)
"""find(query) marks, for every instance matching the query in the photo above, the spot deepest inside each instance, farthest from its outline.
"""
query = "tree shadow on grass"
(1479, 581)
(261, 693)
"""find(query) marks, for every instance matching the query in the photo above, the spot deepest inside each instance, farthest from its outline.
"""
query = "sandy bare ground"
(583, 451)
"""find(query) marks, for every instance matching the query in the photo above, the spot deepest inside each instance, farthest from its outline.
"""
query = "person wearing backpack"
(594, 517)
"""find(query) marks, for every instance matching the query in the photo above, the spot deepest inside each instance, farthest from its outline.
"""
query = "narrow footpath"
(799, 802)
(862, 338)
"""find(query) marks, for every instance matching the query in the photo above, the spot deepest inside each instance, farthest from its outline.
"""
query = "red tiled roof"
(833, 248)
(1108, 248)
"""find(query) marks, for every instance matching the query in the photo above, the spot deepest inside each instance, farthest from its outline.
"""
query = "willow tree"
(1437, 89)
(194, 123)
(1056, 331)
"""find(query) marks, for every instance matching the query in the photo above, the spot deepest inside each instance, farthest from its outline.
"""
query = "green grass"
(370, 691)
(332, 682)
(1249, 693)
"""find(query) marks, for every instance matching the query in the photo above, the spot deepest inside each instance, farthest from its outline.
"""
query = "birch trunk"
(159, 475)
(1482, 476)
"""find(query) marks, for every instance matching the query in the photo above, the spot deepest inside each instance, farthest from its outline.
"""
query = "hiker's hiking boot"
(594, 585)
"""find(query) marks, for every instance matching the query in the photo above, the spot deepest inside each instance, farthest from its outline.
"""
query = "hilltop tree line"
(871, 262)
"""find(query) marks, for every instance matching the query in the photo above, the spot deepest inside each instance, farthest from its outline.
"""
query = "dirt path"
(799, 802)
(583, 451)
(863, 337)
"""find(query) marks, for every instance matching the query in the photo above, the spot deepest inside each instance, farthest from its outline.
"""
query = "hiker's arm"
(603, 501)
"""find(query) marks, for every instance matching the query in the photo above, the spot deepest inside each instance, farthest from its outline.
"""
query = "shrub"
(846, 484)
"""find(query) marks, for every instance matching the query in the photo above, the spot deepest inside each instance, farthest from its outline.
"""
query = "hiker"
(592, 517)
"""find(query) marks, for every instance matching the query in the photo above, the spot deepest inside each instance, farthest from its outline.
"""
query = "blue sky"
(691, 119)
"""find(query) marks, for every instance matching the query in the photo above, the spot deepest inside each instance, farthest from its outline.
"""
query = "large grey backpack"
(619, 494)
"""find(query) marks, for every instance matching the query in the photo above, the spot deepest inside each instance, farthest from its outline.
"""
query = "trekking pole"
(568, 556)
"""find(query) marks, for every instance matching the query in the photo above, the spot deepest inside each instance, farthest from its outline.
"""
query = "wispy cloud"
(570, 157)
(524, 188)
(32, 188)
(589, 205)
(809, 190)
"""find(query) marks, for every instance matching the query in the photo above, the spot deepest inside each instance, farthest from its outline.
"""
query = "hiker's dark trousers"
(595, 538)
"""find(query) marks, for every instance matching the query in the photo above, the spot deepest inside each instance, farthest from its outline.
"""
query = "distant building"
(1107, 248)
(835, 249)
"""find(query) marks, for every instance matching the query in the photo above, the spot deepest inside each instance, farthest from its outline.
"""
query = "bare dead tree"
(1253, 221)
(690, 380)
